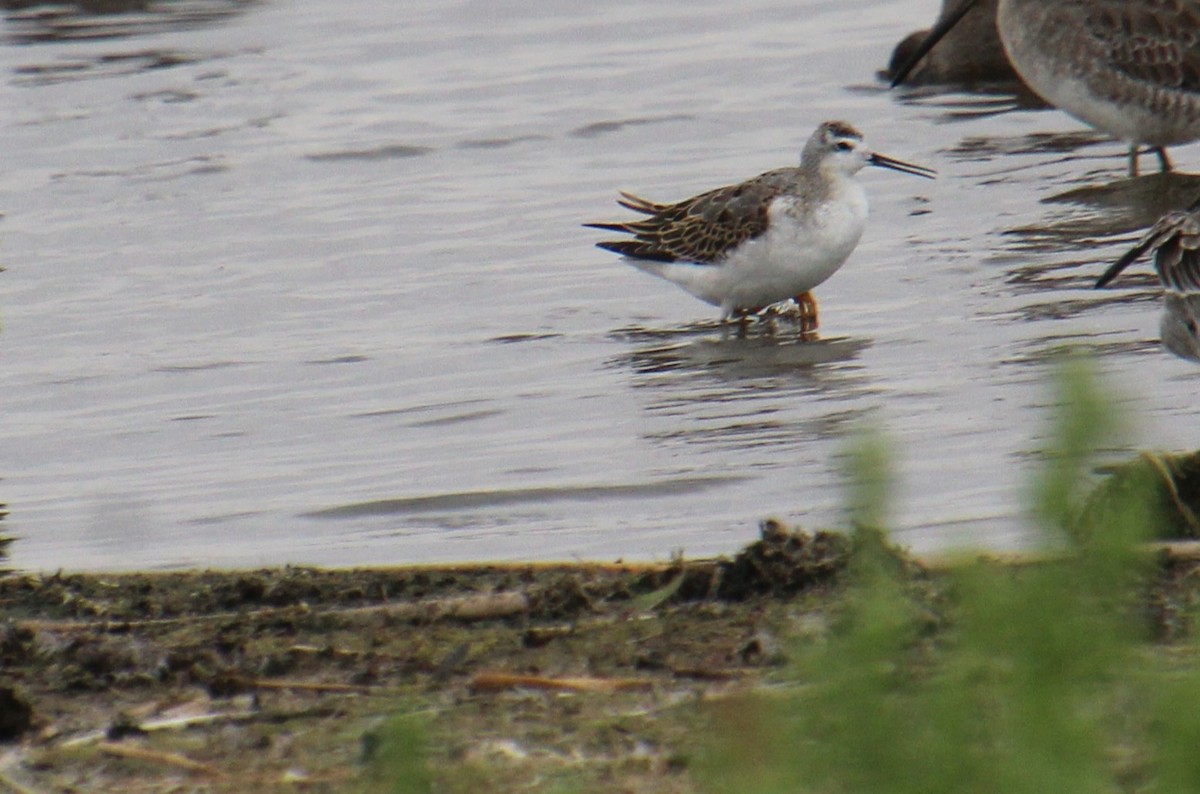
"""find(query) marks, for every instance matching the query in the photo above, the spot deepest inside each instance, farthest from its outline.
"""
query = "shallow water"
(305, 283)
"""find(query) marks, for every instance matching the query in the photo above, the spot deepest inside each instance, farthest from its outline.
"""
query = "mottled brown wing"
(701, 229)
(1154, 41)
(1175, 241)
(1177, 258)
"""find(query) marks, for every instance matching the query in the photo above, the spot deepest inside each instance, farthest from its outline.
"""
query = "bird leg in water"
(742, 319)
(808, 311)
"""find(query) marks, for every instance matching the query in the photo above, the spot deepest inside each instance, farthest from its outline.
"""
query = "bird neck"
(829, 182)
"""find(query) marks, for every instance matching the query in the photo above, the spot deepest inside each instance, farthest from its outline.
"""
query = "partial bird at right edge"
(1130, 68)
(1175, 243)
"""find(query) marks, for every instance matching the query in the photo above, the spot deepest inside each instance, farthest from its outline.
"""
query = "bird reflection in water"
(715, 349)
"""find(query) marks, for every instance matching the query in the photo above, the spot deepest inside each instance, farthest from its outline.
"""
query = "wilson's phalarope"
(1130, 68)
(766, 240)
(1175, 241)
(970, 53)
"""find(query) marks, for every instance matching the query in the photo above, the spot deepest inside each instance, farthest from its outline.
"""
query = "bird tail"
(639, 204)
(634, 249)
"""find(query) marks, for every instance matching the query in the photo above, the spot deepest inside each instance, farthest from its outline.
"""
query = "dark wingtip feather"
(622, 247)
(642, 208)
(635, 250)
(639, 204)
(608, 226)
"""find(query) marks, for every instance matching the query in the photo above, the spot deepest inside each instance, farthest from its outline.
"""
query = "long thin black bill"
(1125, 261)
(935, 35)
(883, 161)
(1132, 254)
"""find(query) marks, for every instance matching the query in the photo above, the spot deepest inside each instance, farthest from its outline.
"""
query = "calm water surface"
(304, 282)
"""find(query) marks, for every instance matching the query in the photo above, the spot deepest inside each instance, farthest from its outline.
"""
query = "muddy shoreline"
(522, 677)
(223, 680)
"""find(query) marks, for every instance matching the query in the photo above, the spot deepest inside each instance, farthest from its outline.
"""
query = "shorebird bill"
(1156, 237)
(935, 35)
(1125, 261)
(883, 161)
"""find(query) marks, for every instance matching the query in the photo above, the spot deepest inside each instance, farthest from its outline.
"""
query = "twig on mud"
(176, 760)
(307, 686)
(169, 723)
(496, 682)
(175, 723)
(483, 606)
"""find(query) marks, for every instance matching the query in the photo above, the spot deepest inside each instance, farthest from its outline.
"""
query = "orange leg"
(808, 311)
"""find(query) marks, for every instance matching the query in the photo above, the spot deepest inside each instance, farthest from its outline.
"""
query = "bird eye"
(843, 146)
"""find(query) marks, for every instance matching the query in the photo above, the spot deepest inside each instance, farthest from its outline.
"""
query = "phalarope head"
(837, 147)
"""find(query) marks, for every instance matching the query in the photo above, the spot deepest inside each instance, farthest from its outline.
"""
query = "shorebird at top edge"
(1130, 68)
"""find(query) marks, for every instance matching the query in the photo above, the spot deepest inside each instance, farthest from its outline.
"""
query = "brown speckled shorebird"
(1130, 68)
(760, 242)
(1175, 241)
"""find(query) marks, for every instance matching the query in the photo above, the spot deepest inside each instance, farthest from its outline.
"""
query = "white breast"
(802, 248)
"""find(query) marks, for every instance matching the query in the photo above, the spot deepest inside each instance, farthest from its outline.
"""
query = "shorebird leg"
(1163, 160)
(808, 311)
(742, 318)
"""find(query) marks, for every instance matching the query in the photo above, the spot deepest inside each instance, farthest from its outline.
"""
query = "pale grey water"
(304, 282)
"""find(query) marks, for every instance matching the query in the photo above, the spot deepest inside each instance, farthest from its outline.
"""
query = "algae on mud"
(263, 677)
(296, 677)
